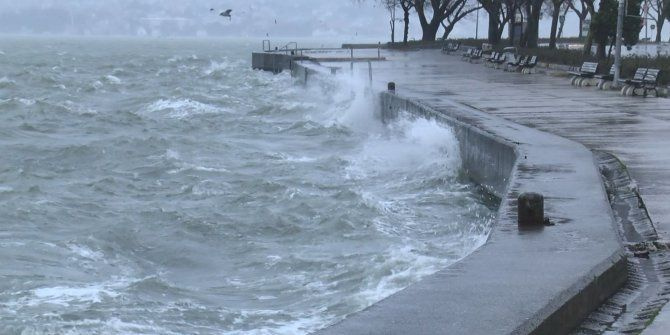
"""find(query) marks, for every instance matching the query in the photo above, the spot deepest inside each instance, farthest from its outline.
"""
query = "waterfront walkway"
(635, 129)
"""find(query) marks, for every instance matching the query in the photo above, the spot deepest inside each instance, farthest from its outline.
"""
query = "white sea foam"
(64, 295)
(406, 266)
(85, 252)
(409, 145)
(5, 82)
(97, 85)
(215, 67)
(114, 80)
(182, 108)
(78, 109)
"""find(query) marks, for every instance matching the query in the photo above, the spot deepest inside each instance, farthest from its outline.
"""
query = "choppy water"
(164, 187)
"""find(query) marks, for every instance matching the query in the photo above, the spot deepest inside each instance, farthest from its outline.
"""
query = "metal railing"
(292, 48)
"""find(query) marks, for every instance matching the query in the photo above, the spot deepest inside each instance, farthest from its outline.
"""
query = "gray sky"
(345, 20)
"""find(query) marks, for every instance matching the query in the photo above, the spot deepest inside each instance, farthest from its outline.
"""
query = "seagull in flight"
(226, 13)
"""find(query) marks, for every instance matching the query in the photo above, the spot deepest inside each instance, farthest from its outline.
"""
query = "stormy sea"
(162, 186)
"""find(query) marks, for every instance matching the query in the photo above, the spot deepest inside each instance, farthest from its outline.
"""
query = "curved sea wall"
(541, 281)
(486, 159)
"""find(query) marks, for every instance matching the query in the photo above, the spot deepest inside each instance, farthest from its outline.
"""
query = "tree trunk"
(560, 28)
(392, 22)
(406, 33)
(554, 25)
(512, 29)
(447, 30)
(588, 44)
(659, 27)
(525, 32)
(600, 50)
(494, 23)
(534, 23)
(430, 31)
(581, 23)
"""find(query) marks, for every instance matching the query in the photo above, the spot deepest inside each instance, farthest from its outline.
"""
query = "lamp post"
(619, 35)
(477, 26)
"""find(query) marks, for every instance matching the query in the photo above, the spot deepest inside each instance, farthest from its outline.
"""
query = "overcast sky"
(346, 20)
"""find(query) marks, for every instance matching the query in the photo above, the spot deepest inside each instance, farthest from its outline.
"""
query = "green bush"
(558, 56)
(630, 64)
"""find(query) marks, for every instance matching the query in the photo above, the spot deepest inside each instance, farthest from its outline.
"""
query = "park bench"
(476, 55)
(500, 60)
(466, 55)
(450, 47)
(646, 79)
(605, 80)
(529, 65)
(488, 60)
(516, 63)
(637, 77)
(584, 76)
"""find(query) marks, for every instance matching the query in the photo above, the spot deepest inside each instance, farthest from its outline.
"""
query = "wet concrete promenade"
(635, 129)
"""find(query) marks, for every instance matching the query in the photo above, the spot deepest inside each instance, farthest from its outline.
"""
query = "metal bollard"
(530, 210)
(391, 87)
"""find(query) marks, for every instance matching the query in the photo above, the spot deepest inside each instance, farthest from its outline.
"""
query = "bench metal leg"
(573, 80)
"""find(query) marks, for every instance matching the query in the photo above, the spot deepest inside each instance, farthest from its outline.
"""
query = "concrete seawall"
(542, 281)
(476, 147)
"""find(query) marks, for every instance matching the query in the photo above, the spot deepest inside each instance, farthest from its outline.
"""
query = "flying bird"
(226, 13)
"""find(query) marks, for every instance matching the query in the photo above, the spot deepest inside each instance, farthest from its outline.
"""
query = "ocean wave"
(181, 108)
(111, 79)
(219, 69)
(6, 82)
(409, 145)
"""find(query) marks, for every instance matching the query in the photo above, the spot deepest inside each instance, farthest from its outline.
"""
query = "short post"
(530, 210)
(379, 50)
(391, 87)
(352, 53)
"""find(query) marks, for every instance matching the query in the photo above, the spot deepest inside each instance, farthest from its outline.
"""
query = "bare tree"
(461, 12)
(512, 8)
(586, 8)
(534, 10)
(658, 9)
(500, 12)
(441, 10)
(565, 8)
(406, 6)
(555, 11)
(391, 6)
